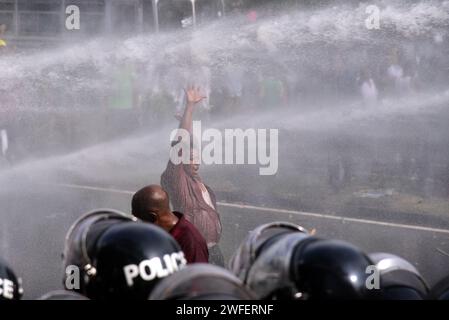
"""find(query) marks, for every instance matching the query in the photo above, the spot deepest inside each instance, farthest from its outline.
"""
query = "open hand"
(194, 95)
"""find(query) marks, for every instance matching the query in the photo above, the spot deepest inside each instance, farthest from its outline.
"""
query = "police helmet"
(331, 270)
(201, 282)
(10, 284)
(399, 279)
(257, 241)
(80, 240)
(119, 258)
(440, 291)
(261, 262)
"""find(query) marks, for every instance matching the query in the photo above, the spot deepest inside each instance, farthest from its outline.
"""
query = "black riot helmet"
(201, 281)
(440, 291)
(331, 270)
(120, 258)
(398, 278)
(268, 274)
(80, 243)
(10, 285)
(299, 266)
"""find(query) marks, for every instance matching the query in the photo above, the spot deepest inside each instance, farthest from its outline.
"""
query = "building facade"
(31, 22)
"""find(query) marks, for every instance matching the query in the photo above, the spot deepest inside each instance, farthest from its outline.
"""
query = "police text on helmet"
(6, 289)
(155, 267)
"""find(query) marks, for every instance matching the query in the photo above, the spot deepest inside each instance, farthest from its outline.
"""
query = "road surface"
(38, 217)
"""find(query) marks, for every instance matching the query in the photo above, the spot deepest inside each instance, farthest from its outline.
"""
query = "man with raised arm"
(187, 191)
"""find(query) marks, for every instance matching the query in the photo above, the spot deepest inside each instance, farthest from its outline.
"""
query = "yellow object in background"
(2, 43)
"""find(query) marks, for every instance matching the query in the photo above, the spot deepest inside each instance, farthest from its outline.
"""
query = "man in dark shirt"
(151, 204)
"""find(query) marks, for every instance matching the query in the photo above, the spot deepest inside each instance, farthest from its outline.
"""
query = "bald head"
(148, 200)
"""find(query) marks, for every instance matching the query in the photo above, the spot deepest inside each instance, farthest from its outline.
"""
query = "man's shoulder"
(186, 228)
(183, 223)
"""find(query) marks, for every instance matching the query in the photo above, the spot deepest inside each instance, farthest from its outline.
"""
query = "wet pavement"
(39, 216)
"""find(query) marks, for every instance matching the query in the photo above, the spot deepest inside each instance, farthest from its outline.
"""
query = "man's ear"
(152, 217)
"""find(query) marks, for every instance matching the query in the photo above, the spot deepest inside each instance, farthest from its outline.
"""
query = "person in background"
(3, 44)
(2, 30)
(234, 86)
(188, 192)
(122, 99)
(4, 143)
(368, 89)
(399, 80)
(272, 91)
(151, 204)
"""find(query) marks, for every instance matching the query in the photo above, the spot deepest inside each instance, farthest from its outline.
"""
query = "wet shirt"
(187, 197)
(190, 240)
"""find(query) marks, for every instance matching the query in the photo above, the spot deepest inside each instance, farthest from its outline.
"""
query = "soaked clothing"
(206, 195)
(187, 196)
(190, 240)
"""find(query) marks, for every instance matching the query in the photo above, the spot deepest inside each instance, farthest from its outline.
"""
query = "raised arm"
(174, 179)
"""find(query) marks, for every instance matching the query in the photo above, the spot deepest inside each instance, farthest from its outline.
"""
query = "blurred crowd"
(92, 103)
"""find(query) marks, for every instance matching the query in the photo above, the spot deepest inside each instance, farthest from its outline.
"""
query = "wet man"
(187, 191)
(151, 204)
